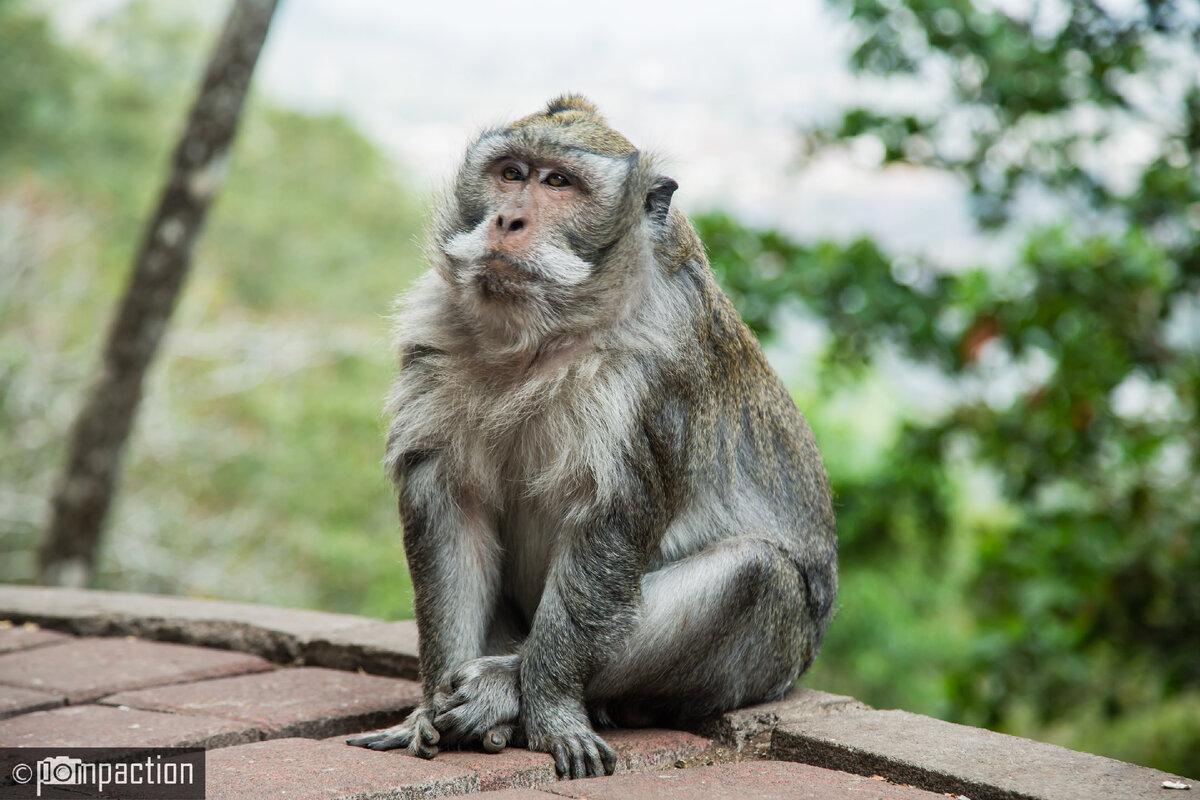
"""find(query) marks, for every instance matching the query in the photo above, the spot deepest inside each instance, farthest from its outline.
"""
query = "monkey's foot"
(578, 751)
(480, 704)
(417, 735)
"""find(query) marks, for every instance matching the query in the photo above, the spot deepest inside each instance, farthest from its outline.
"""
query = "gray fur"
(612, 510)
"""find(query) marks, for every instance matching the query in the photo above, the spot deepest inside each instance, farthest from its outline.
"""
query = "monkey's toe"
(496, 739)
(366, 740)
(583, 756)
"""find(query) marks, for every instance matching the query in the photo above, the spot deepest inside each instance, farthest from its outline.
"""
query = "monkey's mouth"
(497, 265)
(503, 278)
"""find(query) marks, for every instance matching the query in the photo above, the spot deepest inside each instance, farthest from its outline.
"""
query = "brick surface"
(643, 749)
(14, 701)
(508, 794)
(512, 768)
(86, 669)
(298, 701)
(956, 759)
(762, 780)
(638, 750)
(299, 769)
(23, 637)
(105, 726)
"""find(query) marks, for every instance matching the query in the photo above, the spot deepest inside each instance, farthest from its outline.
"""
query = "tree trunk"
(85, 488)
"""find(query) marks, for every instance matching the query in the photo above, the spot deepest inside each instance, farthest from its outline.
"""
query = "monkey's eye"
(511, 173)
(557, 180)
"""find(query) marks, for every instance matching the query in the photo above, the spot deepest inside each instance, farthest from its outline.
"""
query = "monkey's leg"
(703, 619)
(587, 608)
(731, 625)
(453, 558)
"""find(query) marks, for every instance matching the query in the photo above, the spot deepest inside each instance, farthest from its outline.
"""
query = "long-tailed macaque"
(613, 511)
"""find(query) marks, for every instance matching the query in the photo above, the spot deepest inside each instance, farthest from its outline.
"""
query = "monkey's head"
(555, 223)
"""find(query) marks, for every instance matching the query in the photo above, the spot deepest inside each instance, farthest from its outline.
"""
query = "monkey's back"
(748, 463)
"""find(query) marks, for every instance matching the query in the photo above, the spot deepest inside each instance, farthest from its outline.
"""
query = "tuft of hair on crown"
(571, 102)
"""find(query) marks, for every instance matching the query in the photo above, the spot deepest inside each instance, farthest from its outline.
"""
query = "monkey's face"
(537, 230)
(549, 226)
(520, 249)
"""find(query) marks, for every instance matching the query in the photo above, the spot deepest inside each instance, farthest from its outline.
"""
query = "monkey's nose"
(511, 224)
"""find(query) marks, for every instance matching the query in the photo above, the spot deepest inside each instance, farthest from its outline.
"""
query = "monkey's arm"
(454, 563)
(586, 612)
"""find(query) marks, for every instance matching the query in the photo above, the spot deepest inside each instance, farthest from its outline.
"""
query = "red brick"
(86, 669)
(24, 637)
(512, 768)
(304, 701)
(645, 749)
(762, 780)
(506, 794)
(638, 750)
(14, 701)
(105, 726)
(299, 769)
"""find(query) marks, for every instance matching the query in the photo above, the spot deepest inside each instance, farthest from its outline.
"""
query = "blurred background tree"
(252, 472)
(1014, 443)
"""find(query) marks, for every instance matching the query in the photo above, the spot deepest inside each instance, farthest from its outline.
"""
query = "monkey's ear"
(658, 199)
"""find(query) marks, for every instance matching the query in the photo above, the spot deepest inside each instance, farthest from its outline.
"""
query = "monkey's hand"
(564, 732)
(480, 703)
(417, 735)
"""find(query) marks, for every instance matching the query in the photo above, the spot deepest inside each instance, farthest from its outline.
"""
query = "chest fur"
(553, 438)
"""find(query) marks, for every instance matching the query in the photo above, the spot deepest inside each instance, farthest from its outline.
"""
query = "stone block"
(277, 634)
(748, 730)
(644, 749)
(85, 669)
(762, 780)
(382, 648)
(303, 769)
(299, 701)
(512, 768)
(507, 794)
(25, 637)
(15, 701)
(106, 726)
(956, 759)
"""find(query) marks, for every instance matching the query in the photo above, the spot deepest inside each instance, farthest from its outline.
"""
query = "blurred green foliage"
(254, 471)
(1014, 449)
(1021, 546)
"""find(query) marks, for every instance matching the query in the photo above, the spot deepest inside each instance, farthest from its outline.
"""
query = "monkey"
(613, 512)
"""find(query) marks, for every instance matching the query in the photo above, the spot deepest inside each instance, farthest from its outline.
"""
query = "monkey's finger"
(430, 735)
(595, 767)
(419, 749)
(495, 740)
(608, 756)
(578, 767)
(559, 751)
(365, 741)
(451, 726)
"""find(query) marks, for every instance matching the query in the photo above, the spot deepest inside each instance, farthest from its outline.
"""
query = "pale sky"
(718, 89)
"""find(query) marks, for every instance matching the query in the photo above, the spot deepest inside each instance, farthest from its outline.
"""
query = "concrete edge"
(280, 635)
(749, 731)
(945, 757)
